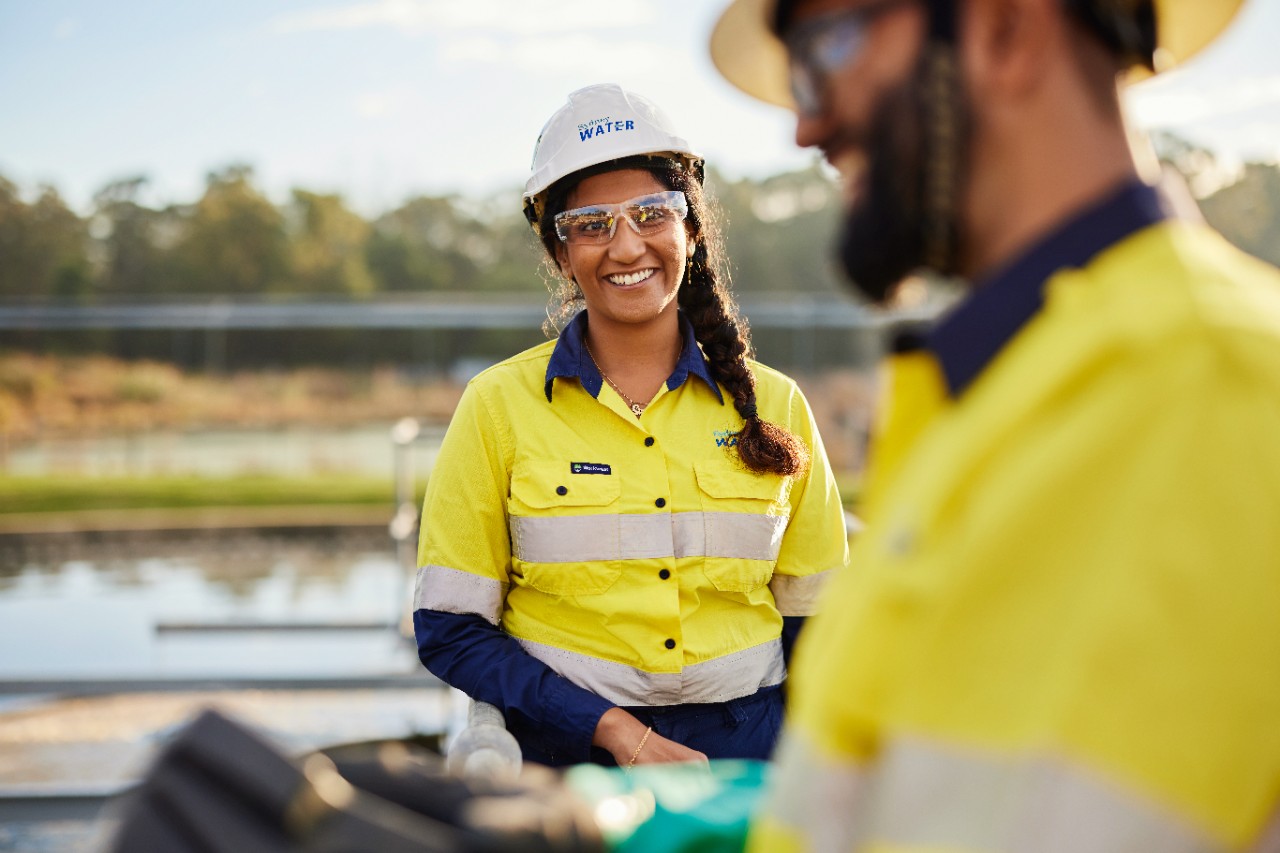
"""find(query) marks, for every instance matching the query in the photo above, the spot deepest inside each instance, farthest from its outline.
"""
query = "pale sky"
(381, 100)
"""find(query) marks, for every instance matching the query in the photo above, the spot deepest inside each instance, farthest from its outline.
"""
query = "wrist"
(636, 754)
(611, 727)
(618, 732)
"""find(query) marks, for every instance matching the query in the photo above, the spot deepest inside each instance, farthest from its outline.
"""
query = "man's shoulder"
(1165, 292)
(1207, 295)
(1157, 328)
(1191, 267)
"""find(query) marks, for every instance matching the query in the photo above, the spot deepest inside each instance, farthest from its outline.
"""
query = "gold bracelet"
(640, 746)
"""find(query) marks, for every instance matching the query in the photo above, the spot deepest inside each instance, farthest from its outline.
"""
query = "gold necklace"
(636, 408)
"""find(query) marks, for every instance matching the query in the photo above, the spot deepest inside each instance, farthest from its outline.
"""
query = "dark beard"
(884, 237)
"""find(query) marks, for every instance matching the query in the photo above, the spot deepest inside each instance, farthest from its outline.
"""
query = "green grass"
(69, 493)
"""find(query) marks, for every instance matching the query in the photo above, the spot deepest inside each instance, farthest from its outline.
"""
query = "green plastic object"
(672, 808)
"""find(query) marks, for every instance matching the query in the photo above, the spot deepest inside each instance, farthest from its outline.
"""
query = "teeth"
(630, 278)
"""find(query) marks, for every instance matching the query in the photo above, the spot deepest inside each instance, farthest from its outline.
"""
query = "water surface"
(161, 607)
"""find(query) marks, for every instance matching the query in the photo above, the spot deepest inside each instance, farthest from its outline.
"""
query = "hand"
(621, 733)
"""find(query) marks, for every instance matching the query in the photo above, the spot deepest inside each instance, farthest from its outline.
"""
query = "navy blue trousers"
(740, 728)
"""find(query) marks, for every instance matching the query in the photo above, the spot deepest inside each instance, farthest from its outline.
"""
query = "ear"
(1005, 45)
(562, 260)
(691, 241)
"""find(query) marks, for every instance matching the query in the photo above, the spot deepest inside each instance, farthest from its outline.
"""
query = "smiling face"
(871, 128)
(631, 280)
(883, 59)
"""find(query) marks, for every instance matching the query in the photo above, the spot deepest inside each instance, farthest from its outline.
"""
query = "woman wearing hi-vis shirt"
(626, 526)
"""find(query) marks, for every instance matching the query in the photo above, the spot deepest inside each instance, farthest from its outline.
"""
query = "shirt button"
(664, 574)
(660, 503)
(671, 644)
(561, 490)
(648, 442)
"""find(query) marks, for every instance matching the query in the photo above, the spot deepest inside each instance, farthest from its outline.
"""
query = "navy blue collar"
(1003, 302)
(570, 360)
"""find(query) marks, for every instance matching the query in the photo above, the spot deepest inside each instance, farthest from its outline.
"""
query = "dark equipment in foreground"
(219, 788)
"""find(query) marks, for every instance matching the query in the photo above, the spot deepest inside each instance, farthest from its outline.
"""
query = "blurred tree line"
(234, 242)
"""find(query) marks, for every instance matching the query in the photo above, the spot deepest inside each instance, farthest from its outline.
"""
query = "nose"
(627, 245)
(811, 129)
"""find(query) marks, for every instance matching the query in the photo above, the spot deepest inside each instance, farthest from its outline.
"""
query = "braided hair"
(705, 298)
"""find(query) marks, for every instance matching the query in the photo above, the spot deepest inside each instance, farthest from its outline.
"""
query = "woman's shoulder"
(778, 396)
(770, 377)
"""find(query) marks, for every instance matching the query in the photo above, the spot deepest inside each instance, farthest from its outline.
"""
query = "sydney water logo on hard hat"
(601, 126)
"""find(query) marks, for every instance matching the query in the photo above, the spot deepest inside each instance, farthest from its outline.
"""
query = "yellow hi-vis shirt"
(1064, 630)
(638, 558)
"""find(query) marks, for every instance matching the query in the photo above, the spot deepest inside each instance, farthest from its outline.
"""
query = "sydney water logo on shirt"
(601, 126)
(725, 437)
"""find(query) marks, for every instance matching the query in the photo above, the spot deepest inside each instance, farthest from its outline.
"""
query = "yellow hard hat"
(750, 55)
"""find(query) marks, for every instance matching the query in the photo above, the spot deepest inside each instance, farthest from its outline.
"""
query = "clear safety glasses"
(819, 47)
(647, 214)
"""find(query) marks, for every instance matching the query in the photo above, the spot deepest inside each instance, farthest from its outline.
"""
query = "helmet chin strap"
(942, 21)
(942, 165)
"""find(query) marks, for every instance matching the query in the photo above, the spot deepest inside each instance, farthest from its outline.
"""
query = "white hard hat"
(599, 123)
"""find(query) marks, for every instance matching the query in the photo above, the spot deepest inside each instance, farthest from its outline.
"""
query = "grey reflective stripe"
(815, 799)
(730, 535)
(689, 534)
(729, 677)
(744, 536)
(798, 596)
(921, 794)
(1269, 839)
(565, 539)
(929, 794)
(455, 591)
(609, 536)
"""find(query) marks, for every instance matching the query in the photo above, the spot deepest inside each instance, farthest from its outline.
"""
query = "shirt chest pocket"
(731, 489)
(565, 530)
(744, 516)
